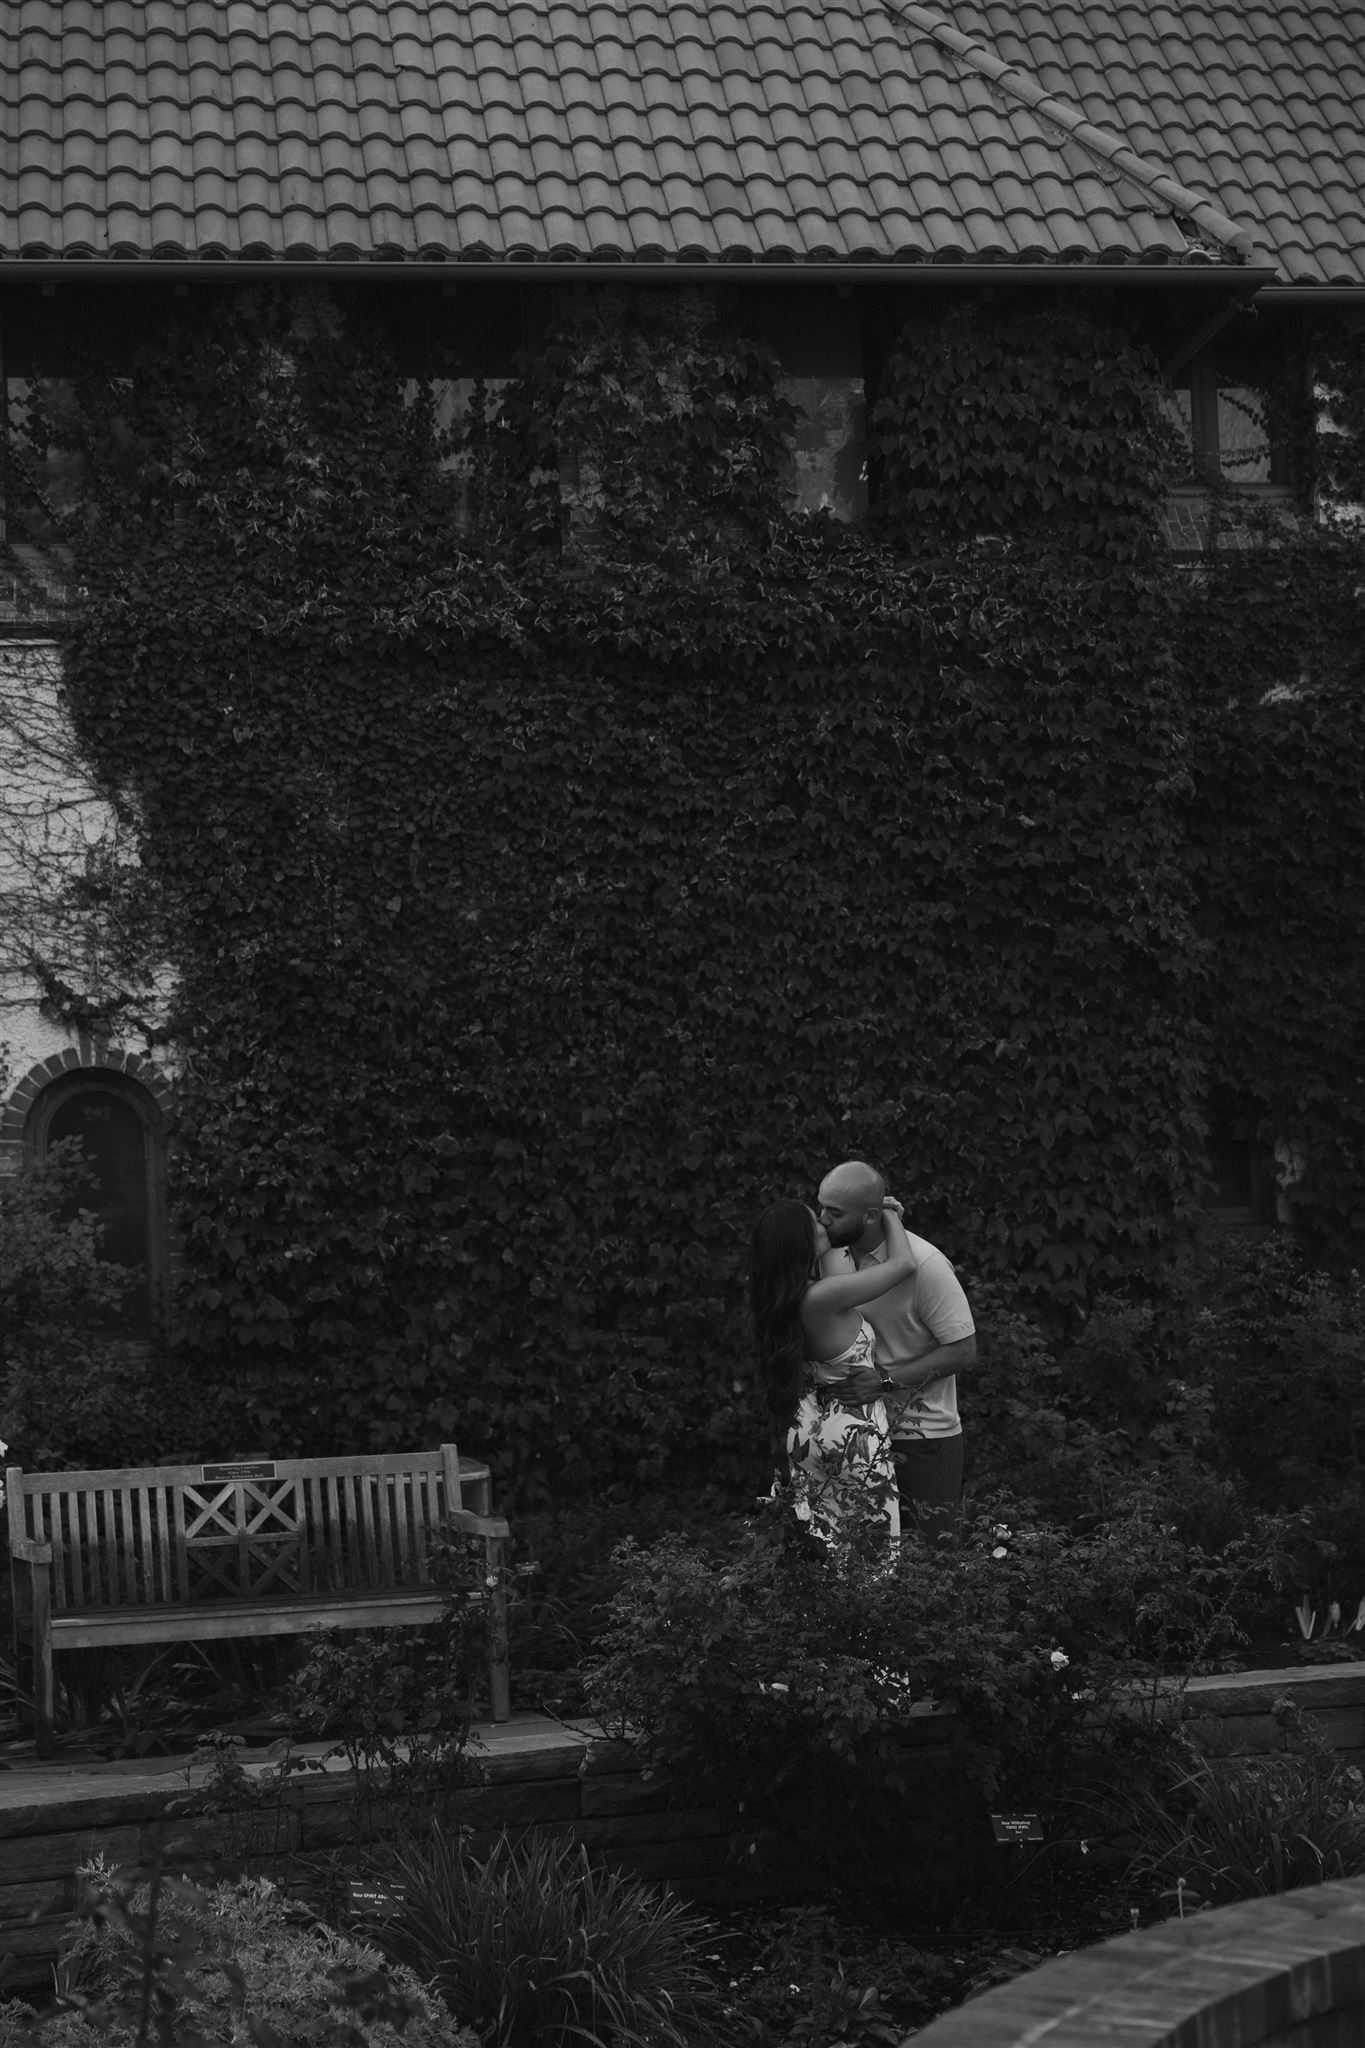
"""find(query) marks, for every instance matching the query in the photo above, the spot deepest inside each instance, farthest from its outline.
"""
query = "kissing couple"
(860, 1330)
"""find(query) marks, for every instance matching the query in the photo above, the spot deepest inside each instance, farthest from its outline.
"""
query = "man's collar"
(878, 1252)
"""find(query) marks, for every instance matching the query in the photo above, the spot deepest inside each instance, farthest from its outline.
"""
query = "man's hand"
(856, 1388)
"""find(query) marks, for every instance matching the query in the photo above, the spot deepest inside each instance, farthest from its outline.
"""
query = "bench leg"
(499, 1685)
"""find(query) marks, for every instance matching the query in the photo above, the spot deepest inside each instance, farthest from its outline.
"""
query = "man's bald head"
(851, 1205)
(856, 1184)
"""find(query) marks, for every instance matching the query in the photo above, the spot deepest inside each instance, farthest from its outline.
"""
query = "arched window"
(119, 1126)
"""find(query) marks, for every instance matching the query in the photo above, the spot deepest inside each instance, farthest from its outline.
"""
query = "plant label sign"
(378, 1900)
(215, 1475)
(1017, 1827)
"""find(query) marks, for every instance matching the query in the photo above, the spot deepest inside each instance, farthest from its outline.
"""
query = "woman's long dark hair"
(780, 1259)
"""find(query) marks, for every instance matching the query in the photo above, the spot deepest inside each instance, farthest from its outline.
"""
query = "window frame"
(1206, 454)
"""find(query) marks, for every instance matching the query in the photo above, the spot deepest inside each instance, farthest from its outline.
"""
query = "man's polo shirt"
(911, 1319)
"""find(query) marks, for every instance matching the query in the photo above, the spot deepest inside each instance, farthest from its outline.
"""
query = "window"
(1221, 406)
(118, 1125)
(1241, 1183)
(42, 478)
(829, 463)
(818, 337)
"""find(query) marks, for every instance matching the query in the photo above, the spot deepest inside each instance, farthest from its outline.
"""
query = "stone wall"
(536, 1774)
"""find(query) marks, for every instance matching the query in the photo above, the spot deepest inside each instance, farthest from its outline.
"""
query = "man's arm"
(942, 1363)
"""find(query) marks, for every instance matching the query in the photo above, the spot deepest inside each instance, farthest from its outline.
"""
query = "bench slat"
(331, 1487)
(180, 1551)
(424, 1493)
(386, 1502)
(30, 1519)
(364, 1499)
(68, 1515)
(163, 1583)
(346, 1522)
(402, 1527)
(146, 1553)
(220, 1621)
(130, 1551)
(104, 1561)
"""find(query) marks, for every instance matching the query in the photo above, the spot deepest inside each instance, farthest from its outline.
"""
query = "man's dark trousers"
(929, 1482)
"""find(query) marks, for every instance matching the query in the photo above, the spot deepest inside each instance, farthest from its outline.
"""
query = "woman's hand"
(856, 1389)
(896, 1208)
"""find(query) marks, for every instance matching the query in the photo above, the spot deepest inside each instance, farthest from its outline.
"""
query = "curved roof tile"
(680, 130)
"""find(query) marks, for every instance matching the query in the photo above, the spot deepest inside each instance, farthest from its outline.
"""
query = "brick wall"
(1287, 1972)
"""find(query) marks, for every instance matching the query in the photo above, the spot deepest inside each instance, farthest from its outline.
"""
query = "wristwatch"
(886, 1383)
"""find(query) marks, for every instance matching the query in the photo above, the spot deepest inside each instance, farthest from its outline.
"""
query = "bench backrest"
(176, 1533)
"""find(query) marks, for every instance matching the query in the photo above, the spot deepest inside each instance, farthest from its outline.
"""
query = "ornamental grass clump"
(533, 1946)
(1246, 1827)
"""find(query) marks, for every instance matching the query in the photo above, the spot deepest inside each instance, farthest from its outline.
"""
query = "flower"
(1000, 1551)
(1001, 1529)
(1059, 1660)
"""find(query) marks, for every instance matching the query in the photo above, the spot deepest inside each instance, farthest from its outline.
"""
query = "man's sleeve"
(941, 1302)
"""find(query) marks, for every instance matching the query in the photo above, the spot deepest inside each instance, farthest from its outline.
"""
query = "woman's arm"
(851, 1290)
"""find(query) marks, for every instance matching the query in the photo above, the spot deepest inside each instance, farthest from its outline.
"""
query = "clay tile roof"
(1087, 131)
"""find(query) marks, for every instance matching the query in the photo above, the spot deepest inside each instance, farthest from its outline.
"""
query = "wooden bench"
(197, 1553)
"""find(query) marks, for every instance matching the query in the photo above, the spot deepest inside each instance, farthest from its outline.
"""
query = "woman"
(809, 1334)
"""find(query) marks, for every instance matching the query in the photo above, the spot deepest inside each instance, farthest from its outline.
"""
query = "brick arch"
(88, 1055)
(22, 1127)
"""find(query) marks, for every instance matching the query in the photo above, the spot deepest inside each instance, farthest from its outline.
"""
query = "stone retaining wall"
(539, 1774)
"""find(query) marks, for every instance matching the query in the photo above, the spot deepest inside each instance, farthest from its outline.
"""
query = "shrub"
(237, 1964)
(1241, 1827)
(818, 1980)
(77, 1400)
(50, 1269)
(71, 1394)
(533, 1947)
(1283, 1349)
(1032, 1430)
(779, 1679)
(566, 1572)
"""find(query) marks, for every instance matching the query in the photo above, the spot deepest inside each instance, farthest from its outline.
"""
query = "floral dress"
(840, 1456)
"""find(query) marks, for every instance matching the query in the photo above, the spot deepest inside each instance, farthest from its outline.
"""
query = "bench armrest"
(27, 1551)
(470, 1524)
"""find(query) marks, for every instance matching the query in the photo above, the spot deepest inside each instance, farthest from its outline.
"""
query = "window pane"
(461, 406)
(1243, 443)
(1178, 406)
(43, 479)
(829, 471)
(115, 1146)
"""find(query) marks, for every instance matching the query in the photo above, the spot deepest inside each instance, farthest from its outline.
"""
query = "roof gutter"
(1312, 295)
(532, 270)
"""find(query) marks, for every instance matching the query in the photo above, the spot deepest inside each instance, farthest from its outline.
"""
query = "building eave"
(426, 271)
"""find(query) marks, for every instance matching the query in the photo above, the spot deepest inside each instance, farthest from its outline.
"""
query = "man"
(925, 1337)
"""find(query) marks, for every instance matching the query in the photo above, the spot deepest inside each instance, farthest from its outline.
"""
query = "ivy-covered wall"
(549, 892)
